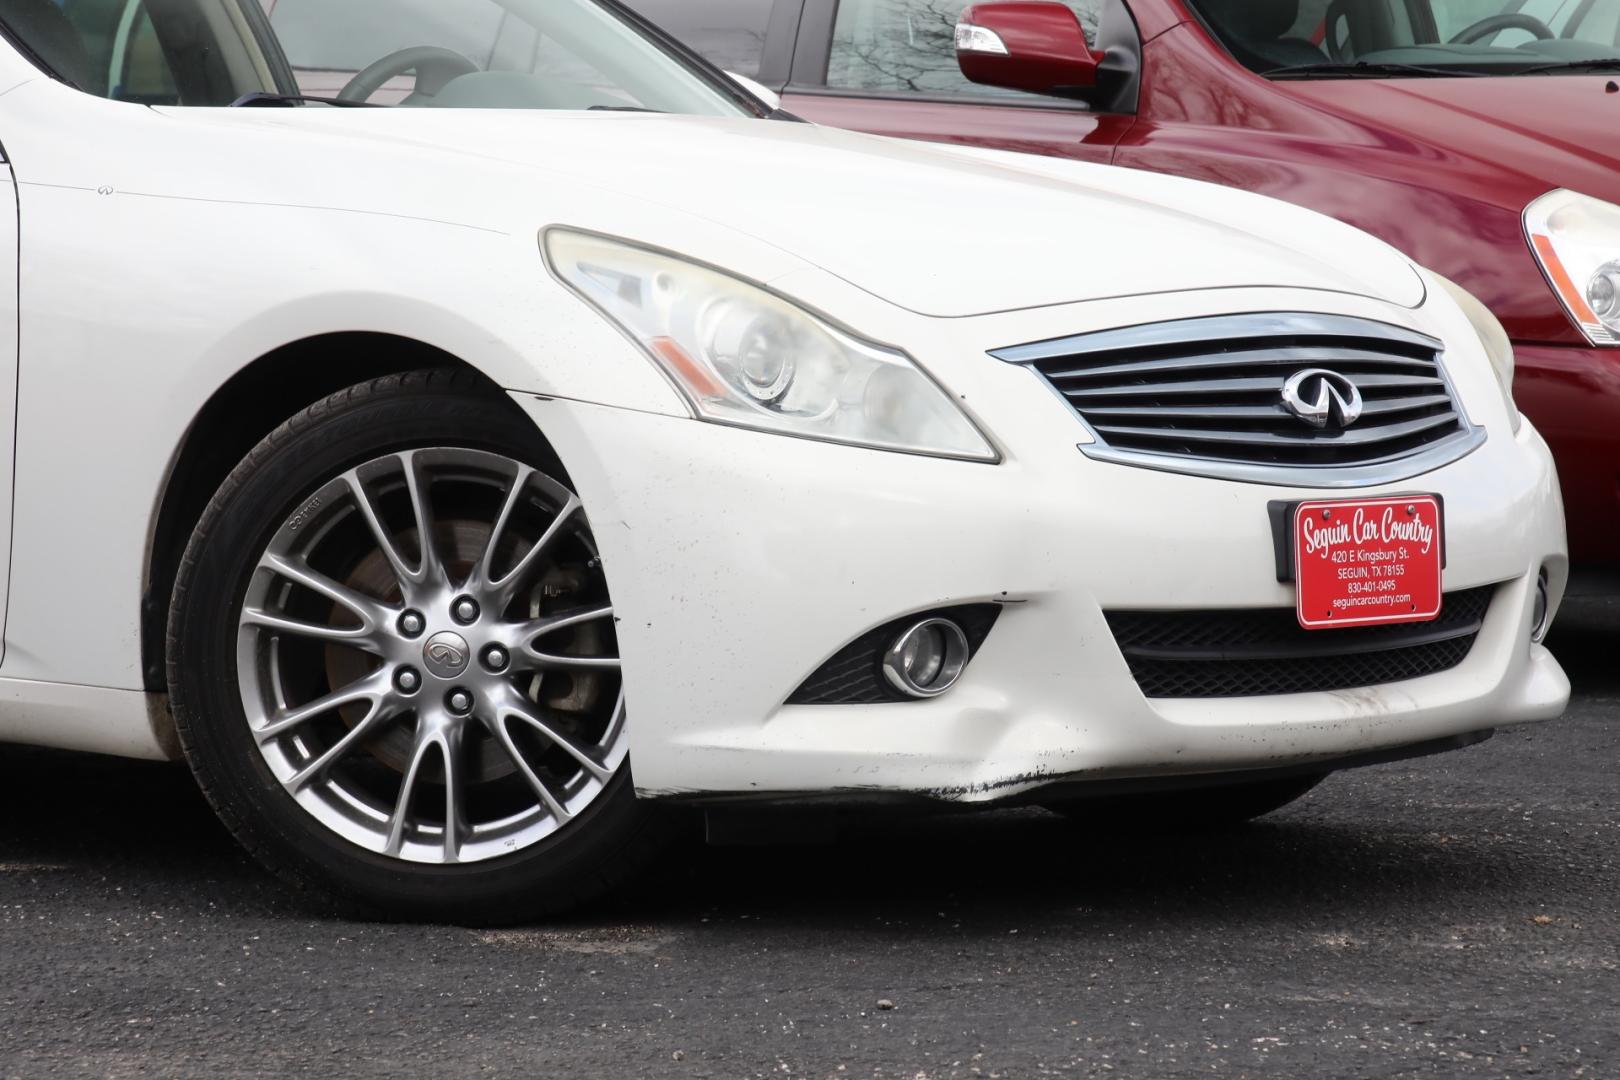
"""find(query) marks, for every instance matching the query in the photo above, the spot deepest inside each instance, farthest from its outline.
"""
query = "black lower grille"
(854, 674)
(1254, 653)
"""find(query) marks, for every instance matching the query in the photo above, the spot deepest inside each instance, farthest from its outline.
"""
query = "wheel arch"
(249, 405)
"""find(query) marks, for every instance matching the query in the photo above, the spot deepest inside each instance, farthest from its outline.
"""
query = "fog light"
(1539, 615)
(927, 659)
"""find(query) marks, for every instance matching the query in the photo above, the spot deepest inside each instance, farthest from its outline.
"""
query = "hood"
(938, 231)
(1547, 131)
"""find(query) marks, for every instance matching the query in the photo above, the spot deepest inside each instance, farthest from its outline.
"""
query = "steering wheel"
(434, 68)
(1492, 24)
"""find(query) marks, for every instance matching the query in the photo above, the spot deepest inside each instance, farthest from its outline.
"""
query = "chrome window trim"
(1219, 328)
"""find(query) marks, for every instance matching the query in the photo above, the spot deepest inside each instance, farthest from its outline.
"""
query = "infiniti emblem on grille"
(1322, 398)
(445, 654)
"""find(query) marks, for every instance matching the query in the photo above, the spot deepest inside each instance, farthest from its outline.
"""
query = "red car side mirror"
(1032, 45)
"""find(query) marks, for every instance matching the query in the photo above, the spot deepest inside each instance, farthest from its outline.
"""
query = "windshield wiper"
(1364, 70)
(260, 99)
(1607, 63)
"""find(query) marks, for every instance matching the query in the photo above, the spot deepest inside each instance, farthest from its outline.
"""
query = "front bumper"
(740, 561)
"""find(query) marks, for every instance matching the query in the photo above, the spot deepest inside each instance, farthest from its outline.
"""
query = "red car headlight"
(1576, 239)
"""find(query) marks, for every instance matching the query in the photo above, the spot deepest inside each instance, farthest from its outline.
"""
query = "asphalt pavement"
(1453, 916)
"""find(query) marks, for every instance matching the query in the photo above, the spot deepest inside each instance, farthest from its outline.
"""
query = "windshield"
(1415, 38)
(497, 54)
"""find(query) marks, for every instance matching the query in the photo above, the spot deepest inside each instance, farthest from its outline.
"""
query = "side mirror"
(1032, 45)
(769, 98)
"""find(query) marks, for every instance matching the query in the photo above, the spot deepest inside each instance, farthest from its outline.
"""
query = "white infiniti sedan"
(452, 484)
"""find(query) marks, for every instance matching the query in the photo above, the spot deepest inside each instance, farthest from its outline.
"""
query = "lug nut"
(408, 681)
(459, 702)
(411, 623)
(495, 658)
(465, 610)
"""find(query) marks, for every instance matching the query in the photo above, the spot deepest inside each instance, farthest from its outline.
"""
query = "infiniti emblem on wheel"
(1322, 398)
(445, 654)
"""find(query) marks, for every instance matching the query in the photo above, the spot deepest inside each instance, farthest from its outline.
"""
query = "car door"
(889, 67)
(8, 367)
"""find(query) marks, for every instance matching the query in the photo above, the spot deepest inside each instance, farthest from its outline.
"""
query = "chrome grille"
(1206, 396)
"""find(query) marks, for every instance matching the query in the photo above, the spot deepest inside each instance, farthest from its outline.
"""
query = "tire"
(324, 724)
(1193, 809)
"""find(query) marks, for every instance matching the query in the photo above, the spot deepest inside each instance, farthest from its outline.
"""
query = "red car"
(1482, 137)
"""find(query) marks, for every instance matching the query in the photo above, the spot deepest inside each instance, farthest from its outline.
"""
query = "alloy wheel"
(427, 658)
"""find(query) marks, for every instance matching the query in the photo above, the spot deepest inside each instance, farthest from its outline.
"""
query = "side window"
(151, 52)
(139, 69)
(730, 34)
(1598, 23)
(105, 47)
(909, 47)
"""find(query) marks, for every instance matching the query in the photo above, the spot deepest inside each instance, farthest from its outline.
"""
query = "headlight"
(1498, 346)
(1577, 241)
(745, 356)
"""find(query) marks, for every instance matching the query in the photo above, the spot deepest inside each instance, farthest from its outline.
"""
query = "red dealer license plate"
(1365, 562)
